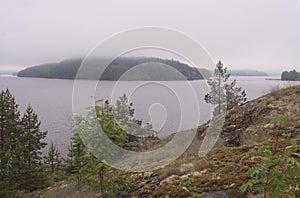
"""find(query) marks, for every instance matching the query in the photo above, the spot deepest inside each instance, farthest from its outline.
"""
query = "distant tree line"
(152, 69)
(290, 75)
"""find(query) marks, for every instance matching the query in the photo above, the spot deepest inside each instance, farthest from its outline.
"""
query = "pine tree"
(9, 136)
(217, 94)
(110, 125)
(20, 146)
(31, 144)
(79, 153)
(70, 159)
(99, 168)
(124, 114)
(9, 121)
(224, 96)
(235, 95)
(32, 138)
(53, 159)
(123, 110)
(83, 163)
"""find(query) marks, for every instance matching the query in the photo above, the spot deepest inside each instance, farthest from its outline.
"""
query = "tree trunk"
(101, 183)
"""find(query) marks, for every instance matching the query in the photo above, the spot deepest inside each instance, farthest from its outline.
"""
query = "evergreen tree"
(31, 143)
(9, 121)
(21, 142)
(79, 153)
(9, 136)
(32, 138)
(70, 159)
(225, 96)
(235, 95)
(83, 163)
(95, 167)
(53, 159)
(124, 111)
(124, 114)
(110, 125)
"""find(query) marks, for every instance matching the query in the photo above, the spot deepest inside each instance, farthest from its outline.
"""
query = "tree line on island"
(290, 75)
(126, 68)
(122, 68)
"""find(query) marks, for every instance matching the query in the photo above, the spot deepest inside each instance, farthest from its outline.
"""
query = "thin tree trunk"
(219, 99)
(101, 181)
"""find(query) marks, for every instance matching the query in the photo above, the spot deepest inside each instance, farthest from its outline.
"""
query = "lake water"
(157, 102)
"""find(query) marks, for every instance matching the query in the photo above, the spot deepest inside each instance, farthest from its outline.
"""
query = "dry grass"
(65, 190)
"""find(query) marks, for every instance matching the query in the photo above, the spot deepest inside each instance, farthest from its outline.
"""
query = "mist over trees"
(148, 68)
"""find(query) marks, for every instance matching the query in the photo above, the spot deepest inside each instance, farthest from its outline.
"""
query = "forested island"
(127, 68)
(123, 68)
(290, 75)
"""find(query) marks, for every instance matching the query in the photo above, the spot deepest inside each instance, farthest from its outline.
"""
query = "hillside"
(122, 68)
(222, 172)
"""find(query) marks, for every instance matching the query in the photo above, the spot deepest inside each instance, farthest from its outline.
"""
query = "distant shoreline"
(8, 75)
(272, 79)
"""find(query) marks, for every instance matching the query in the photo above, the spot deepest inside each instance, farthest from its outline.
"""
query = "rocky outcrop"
(221, 173)
(255, 120)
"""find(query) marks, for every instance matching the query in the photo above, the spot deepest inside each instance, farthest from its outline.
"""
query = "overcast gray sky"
(255, 34)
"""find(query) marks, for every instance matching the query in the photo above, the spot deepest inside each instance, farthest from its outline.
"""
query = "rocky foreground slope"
(222, 172)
